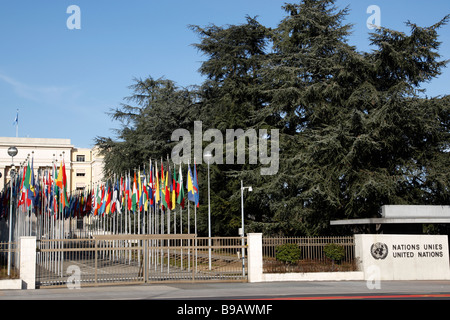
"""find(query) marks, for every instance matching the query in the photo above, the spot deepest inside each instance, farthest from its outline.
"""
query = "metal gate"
(137, 259)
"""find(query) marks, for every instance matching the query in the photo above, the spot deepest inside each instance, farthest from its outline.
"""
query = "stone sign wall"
(403, 257)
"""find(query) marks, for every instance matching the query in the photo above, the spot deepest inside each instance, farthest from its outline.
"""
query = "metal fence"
(130, 259)
(312, 256)
(9, 260)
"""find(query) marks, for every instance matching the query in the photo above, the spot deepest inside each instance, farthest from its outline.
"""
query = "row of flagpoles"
(135, 202)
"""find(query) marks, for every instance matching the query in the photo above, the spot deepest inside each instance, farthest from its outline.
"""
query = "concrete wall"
(27, 267)
(381, 257)
(28, 262)
(403, 257)
(255, 268)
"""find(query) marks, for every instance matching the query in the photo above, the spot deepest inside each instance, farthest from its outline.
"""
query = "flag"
(163, 188)
(174, 188)
(190, 186)
(180, 190)
(55, 191)
(127, 192)
(97, 201)
(134, 197)
(157, 187)
(104, 194)
(197, 194)
(108, 200)
(64, 200)
(114, 198)
(145, 195)
(16, 120)
(59, 180)
(32, 194)
(122, 194)
(151, 186)
(141, 187)
(26, 186)
(164, 194)
(169, 187)
(116, 205)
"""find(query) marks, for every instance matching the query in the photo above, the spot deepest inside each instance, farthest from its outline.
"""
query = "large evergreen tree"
(230, 98)
(356, 135)
(154, 110)
(356, 129)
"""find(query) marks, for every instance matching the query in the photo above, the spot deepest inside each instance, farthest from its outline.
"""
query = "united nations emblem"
(379, 250)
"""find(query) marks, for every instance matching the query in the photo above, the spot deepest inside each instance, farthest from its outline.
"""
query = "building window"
(81, 158)
(81, 173)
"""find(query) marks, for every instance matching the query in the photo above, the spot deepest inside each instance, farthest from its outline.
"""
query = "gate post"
(28, 262)
(146, 260)
(255, 258)
(95, 262)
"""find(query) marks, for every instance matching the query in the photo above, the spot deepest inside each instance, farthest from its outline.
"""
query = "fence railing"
(9, 260)
(127, 259)
(312, 255)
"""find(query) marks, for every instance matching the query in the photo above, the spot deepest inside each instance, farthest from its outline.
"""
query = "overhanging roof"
(399, 214)
(389, 221)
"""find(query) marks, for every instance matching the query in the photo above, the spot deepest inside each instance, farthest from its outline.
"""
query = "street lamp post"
(12, 152)
(208, 157)
(242, 233)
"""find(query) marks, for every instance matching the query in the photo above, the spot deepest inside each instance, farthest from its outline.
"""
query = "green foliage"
(356, 130)
(334, 252)
(288, 253)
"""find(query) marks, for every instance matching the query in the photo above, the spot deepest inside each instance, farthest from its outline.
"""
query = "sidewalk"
(226, 291)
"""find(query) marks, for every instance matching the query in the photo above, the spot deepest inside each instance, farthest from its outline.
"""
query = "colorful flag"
(145, 193)
(25, 185)
(197, 194)
(157, 188)
(59, 180)
(134, 197)
(180, 190)
(151, 186)
(190, 185)
(174, 188)
(64, 200)
(32, 194)
(108, 200)
(128, 192)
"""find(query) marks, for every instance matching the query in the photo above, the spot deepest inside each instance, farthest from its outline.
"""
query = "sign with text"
(404, 257)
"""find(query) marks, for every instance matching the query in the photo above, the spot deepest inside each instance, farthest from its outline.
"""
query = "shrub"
(288, 253)
(334, 251)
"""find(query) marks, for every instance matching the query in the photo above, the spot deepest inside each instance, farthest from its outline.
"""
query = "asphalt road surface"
(277, 300)
(343, 290)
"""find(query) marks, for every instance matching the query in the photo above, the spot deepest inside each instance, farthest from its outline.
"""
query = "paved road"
(226, 291)
(234, 300)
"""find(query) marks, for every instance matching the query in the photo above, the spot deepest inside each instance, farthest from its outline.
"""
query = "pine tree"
(154, 110)
(230, 97)
(356, 129)
(356, 135)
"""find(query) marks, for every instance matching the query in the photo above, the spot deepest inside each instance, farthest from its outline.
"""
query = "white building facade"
(84, 167)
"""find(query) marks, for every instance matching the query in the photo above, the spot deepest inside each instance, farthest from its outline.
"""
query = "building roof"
(38, 142)
(400, 214)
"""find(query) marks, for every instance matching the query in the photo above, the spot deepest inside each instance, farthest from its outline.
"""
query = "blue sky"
(65, 81)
